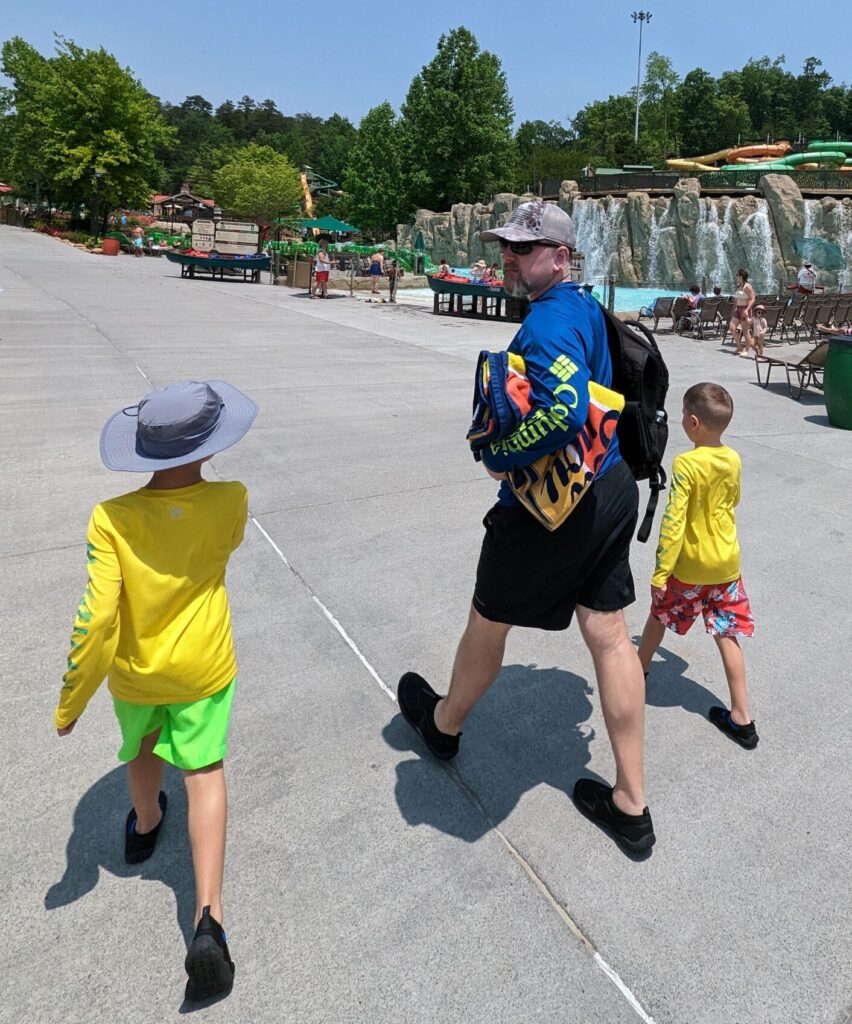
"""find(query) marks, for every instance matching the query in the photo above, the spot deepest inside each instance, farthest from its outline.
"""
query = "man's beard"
(519, 288)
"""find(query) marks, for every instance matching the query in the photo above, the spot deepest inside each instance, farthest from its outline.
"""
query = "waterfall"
(844, 240)
(656, 258)
(757, 236)
(810, 216)
(598, 231)
(654, 249)
(713, 238)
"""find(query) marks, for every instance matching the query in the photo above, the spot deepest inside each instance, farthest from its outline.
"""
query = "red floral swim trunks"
(725, 607)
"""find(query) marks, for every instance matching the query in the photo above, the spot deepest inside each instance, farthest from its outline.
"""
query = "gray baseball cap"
(535, 221)
(174, 426)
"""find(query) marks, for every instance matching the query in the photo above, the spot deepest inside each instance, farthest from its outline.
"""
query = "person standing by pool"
(805, 280)
(377, 269)
(394, 274)
(741, 315)
(322, 268)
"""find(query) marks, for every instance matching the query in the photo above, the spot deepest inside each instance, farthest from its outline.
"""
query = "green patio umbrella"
(821, 253)
(331, 224)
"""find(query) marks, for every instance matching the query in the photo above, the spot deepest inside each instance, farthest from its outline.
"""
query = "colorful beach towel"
(552, 486)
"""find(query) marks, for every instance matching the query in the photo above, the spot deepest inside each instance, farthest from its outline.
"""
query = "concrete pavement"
(366, 883)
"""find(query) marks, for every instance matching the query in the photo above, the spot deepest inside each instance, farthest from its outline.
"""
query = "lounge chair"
(707, 321)
(842, 313)
(789, 322)
(681, 317)
(662, 308)
(805, 324)
(802, 371)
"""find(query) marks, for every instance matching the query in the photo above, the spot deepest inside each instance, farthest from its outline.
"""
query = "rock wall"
(665, 241)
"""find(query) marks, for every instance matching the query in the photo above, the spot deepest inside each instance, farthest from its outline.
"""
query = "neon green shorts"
(192, 735)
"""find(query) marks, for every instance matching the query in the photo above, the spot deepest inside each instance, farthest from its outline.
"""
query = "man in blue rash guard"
(530, 576)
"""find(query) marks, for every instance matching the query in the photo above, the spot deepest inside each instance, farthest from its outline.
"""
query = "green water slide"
(820, 156)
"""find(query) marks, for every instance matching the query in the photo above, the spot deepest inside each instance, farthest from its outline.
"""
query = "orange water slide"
(309, 199)
(772, 151)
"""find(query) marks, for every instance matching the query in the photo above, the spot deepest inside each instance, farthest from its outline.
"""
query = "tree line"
(77, 123)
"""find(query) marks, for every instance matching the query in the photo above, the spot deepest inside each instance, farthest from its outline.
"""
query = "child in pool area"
(154, 619)
(698, 556)
(758, 327)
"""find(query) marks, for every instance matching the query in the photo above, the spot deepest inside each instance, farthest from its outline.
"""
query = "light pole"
(641, 17)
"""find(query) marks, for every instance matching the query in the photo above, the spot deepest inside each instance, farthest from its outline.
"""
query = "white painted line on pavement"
(346, 637)
(539, 883)
(623, 989)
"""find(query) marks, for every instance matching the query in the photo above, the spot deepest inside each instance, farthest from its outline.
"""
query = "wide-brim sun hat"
(176, 425)
(535, 221)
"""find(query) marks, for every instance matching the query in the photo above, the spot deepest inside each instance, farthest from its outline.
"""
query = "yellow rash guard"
(154, 616)
(698, 534)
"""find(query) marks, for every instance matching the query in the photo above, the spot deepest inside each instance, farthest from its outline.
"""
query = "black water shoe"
(138, 846)
(208, 962)
(745, 735)
(417, 702)
(633, 832)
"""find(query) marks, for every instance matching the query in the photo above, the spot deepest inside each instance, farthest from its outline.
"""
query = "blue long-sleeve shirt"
(563, 342)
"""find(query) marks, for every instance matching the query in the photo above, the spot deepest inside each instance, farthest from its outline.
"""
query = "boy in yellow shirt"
(698, 557)
(154, 618)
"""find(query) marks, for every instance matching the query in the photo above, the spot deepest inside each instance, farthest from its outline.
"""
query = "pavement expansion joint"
(474, 800)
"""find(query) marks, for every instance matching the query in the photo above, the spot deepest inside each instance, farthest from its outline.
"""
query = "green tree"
(809, 96)
(92, 129)
(199, 143)
(709, 118)
(337, 138)
(374, 194)
(457, 126)
(604, 129)
(659, 113)
(696, 97)
(767, 90)
(257, 182)
(544, 151)
(837, 104)
(24, 137)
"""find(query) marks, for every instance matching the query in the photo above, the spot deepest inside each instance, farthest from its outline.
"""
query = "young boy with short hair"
(154, 618)
(698, 557)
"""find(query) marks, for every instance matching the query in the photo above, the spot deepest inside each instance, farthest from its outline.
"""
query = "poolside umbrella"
(331, 224)
(822, 254)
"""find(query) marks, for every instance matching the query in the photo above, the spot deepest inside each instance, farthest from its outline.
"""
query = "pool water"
(626, 299)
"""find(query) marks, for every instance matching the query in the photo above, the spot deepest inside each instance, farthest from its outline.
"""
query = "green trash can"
(838, 382)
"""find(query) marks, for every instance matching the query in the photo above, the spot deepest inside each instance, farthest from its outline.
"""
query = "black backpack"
(640, 374)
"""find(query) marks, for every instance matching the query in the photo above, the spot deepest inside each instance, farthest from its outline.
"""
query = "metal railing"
(712, 181)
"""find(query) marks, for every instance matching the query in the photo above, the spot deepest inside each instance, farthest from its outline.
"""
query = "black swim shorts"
(530, 576)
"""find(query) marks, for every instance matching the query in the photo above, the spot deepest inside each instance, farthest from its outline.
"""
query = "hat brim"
(510, 233)
(515, 233)
(120, 450)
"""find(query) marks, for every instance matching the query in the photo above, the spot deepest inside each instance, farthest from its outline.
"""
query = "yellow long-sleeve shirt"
(698, 534)
(154, 615)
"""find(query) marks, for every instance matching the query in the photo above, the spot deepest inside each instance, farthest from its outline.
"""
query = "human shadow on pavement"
(97, 842)
(525, 732)
(667, 685)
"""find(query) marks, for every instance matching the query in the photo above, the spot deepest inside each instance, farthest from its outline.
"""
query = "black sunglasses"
(523, 248)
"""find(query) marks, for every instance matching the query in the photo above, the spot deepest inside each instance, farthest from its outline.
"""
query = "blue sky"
(343, 57)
